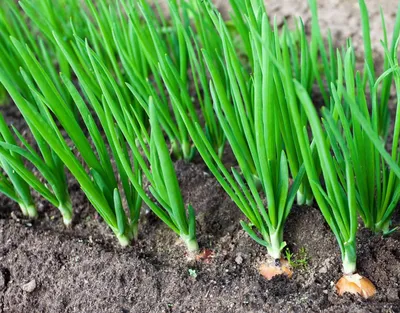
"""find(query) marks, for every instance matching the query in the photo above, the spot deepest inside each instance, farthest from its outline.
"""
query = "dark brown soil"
(82, 269)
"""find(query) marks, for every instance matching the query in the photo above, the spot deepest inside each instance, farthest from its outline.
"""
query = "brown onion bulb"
(356, 284)
(270, 269)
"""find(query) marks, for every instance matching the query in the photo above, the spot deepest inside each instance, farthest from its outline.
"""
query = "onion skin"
(356, 284)
(205, 256)
(273, 268)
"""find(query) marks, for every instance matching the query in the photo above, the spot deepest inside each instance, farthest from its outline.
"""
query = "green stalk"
(275, 248)
(349, 258)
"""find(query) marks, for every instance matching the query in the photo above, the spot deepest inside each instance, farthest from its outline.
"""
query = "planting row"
(139, 89)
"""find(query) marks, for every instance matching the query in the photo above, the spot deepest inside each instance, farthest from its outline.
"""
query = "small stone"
(29, 287)
(392, 294)
(323, 270)
(239, 258)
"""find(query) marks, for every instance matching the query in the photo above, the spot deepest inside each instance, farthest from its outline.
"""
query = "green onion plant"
(150, 153)
(247, 17)
(336, 194)
(96, 176)
(255, 139)
(11, 183)
(48, 165)
(378, 193)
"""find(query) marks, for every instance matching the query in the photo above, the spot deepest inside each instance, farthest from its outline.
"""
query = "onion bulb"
(356, 284)
(274, 268)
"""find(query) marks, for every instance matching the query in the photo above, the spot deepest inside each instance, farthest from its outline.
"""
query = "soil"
(82, 269)
(45, 267)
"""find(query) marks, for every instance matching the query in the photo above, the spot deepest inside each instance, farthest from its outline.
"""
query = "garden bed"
(83, 270)
(45, 267)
